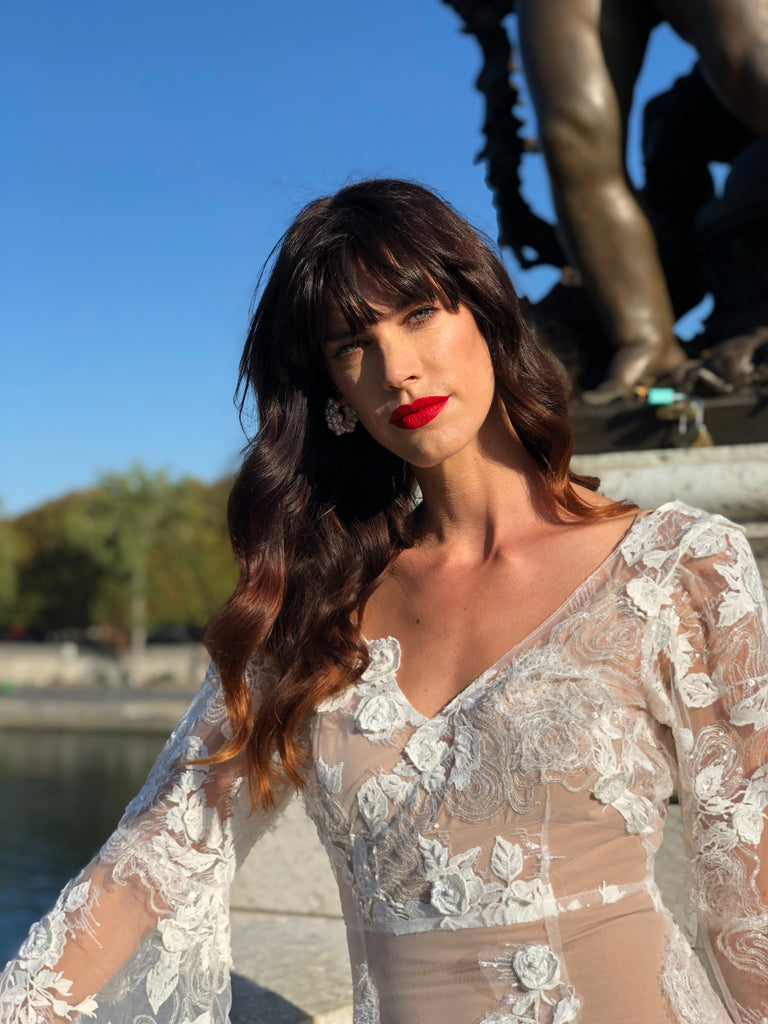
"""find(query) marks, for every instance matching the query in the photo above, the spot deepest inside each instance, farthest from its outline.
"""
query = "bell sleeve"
(142, 934)
(717, 627)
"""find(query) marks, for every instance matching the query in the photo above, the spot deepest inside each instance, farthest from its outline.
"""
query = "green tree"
(192, 572)
(136, 552)
(138, 512)
(9, 558)
(58, 575)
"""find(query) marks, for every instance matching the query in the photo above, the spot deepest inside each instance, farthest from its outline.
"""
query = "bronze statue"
(582, 59)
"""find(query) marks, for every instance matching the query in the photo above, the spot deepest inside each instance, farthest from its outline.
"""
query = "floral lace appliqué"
(686, 987)
(526, 982)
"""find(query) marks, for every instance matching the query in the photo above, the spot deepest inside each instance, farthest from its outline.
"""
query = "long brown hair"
(315, 518)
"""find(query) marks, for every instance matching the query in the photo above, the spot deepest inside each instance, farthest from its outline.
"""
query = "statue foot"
(633, 365)
(609, 390)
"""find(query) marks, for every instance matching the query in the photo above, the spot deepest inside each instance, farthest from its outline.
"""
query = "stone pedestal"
(729, 479)
(624, 427)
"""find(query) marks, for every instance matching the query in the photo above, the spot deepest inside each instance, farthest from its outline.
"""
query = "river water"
(61, 795)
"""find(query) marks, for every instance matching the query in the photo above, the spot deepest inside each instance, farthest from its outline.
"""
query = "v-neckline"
(575, 597)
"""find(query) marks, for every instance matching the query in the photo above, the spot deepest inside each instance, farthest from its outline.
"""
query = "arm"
(719, 660)
(143, 932)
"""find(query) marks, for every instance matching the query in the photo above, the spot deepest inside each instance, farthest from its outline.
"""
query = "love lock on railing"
(686, 411)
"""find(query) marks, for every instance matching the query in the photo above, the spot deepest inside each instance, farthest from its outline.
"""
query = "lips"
(418, 413)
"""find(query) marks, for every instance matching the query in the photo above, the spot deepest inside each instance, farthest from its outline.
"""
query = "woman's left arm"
(142, 934)
(718, 651)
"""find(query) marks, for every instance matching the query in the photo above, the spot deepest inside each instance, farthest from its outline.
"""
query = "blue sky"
(154, 151)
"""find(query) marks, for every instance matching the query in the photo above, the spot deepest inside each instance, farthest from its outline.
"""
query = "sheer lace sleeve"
(143, 933)
(718, 645)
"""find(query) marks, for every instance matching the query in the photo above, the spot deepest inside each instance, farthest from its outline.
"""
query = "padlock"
(704, 439)
(692, 431)
(685, 438)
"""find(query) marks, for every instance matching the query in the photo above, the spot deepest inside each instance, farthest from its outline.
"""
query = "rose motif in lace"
(526, 982)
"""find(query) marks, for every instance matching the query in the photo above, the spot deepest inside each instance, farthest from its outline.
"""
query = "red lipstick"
(420, 412)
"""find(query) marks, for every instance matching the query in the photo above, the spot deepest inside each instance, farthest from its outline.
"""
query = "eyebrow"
(329, 339)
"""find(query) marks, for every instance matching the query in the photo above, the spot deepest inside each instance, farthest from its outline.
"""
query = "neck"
(483, 496)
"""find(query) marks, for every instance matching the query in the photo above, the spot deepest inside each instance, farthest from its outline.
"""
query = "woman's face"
(420, 379)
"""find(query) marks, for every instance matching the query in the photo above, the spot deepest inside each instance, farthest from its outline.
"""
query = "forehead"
(371, 299)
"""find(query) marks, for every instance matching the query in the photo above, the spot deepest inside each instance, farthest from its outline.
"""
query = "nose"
(400, 361)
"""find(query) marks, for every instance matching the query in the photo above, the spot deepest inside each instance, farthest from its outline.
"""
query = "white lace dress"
(495, 862)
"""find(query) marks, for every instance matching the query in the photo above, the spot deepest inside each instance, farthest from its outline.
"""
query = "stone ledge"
(288, 872)
(289, 969)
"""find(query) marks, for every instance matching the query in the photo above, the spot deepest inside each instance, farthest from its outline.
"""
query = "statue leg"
(732, 39)
(581, 60)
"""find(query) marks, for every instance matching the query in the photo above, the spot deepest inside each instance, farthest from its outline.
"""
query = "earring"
(341, 419)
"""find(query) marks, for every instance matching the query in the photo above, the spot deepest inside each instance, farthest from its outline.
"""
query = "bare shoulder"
(598, 500)
(597, 537)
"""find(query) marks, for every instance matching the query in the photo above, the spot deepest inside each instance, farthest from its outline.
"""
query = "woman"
(491, 784)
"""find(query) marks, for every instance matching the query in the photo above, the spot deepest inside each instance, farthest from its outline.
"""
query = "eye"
(421, 314)
(347, 348)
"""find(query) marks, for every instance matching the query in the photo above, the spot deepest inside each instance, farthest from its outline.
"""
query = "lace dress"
(495, 862)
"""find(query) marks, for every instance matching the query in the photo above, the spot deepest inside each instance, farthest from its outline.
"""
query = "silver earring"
(341, 419)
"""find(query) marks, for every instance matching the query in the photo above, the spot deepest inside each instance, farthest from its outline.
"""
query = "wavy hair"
(314, 518)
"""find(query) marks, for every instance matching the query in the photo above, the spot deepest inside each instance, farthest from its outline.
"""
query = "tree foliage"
(95, 557)
(8, 568)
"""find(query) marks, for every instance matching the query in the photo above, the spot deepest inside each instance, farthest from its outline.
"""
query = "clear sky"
(153, 152)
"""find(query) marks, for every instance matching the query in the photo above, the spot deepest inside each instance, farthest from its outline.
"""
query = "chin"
(426, 451)
(431, 458)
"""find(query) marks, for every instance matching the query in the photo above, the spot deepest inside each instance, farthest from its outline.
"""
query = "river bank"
(54, 666)
(81, 709)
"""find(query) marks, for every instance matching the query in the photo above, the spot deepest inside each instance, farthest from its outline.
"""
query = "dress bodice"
(495, 861)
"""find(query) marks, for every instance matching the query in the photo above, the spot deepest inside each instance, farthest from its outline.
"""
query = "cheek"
(355, 383)
(480, 370)
(336, 382)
